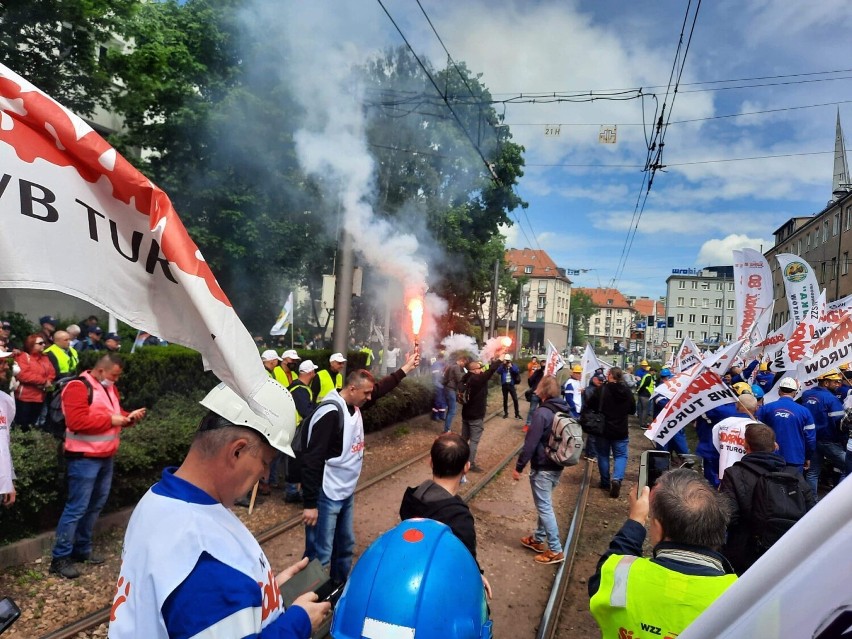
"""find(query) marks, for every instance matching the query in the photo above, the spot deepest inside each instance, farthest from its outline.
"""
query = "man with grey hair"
(688, 520)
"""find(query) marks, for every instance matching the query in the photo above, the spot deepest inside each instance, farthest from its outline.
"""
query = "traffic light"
(670, 322)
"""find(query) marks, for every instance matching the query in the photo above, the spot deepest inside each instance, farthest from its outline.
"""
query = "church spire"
(841, 180)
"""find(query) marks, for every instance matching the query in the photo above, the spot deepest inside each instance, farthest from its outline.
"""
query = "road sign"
(665, 344)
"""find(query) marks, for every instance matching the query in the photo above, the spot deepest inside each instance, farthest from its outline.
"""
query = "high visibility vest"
(291, 388)
(639, 598)
(278, 375)
(67, 361)
(105, 443)
(288, 375)
(369, 353)
(327, 384)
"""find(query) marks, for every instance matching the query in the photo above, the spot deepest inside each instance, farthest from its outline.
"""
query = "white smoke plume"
(493, 348)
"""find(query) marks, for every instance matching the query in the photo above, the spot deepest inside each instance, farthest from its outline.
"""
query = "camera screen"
(8, 612)
(657, 465)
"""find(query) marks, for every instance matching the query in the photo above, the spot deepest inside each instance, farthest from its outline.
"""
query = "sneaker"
(505, 415)
(532, 544)
(64, 567)
(615, 488)
(604, 486)
(91, 558)
(477, 469)
(549, 557)
(518, 416)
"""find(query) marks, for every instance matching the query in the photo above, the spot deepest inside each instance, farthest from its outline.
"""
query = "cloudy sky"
(582, 194)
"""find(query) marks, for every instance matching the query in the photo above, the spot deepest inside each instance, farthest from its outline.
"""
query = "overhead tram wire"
(655, 149)
(488, 165)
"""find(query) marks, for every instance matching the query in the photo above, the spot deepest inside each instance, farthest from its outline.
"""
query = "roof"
(541, 263)
(646, 306)
(601, 297)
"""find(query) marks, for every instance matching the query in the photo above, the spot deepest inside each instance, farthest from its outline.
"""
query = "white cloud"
(718, 252)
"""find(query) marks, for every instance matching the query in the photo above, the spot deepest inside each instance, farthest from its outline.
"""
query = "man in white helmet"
(190, 568)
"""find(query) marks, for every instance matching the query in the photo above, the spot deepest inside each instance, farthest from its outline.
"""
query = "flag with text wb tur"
(695, 392)
(285, 318)
(80, 219)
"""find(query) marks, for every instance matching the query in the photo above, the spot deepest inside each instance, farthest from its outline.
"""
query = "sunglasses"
(39, 343)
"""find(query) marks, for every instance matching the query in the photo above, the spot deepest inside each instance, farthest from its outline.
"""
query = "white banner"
(753, 290)
(829, 351)
(590, 364)
(799, 588)
(724, 357)
(844, 303)
(553, 362)
(698, 391)
(772, 342)
(78, 218)
(796, 349)
(688, 355)
(800, 285)
(285, 318)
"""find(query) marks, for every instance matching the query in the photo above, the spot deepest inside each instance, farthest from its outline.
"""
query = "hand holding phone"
(652, 464)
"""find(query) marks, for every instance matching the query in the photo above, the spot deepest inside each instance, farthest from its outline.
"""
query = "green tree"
(582, 309)
(59, 45)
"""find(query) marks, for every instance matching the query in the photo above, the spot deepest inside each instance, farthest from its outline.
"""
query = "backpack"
(299, 435)
(55, 416)
(565, 441)
(516, 375)
(463, 391)
(777, 503)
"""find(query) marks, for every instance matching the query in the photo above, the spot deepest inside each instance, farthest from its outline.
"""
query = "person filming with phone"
(630, 594)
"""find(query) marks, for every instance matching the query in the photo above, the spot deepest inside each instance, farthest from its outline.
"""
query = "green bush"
(413, 397)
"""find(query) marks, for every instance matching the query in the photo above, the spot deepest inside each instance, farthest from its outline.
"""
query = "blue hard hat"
(665, 373)
(416, 580)
(757, 391)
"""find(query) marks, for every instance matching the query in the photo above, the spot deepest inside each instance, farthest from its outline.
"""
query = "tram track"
(101, 616)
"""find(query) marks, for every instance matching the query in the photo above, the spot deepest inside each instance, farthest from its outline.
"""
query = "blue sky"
(697, 210)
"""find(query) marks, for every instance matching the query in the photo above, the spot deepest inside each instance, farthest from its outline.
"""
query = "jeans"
(534, 403)
(472, 433)
(643, 410)
(836, 455)
(542, 483)
(89, 481)
(333, 537)
(676, 444)
(509, 389)
(619, 454)
(450, 396)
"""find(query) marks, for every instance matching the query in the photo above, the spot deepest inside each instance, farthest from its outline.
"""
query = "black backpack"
(300, 436)
(777, 503)
(55, 417)
(463, 390)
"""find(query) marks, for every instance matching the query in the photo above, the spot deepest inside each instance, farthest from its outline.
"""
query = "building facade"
(648, 332)
(700, 305)
(545, 304)
(612, 322)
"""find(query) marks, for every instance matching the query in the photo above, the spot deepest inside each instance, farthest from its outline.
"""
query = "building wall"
(703, 307)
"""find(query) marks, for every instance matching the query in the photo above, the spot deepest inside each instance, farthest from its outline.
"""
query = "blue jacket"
(794, 428)
(537, 436)
(765, 380)
(508, 374)
(827, 412)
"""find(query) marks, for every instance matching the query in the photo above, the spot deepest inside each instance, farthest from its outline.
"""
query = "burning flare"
(506, 342)
(415, 307)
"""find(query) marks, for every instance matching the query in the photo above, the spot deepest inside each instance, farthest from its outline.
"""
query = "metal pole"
(492, 315)
(519, 329)
(343, 293)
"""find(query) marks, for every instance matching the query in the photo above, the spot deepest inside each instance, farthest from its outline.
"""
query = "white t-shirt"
(729, 440)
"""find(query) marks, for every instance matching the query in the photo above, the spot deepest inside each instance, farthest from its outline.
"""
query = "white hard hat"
(272, 412)
(789, 383)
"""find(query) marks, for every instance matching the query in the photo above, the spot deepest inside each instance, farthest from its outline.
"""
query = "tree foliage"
(582, 309)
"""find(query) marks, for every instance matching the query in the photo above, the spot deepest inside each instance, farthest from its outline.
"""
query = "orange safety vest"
(105, 443)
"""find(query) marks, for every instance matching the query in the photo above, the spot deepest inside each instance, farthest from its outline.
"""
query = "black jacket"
(478, 385)
(618, 403)
(738, 486)
(431, 501)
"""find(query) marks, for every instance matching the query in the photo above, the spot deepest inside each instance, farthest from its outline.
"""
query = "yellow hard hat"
(764, 366)
(844, 367)
(644, 362)
(742, 388)
(577, 369)
(832, 375)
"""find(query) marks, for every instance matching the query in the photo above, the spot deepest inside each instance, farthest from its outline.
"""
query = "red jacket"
(36, 373)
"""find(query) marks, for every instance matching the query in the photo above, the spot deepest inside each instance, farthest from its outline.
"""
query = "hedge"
(169, 380)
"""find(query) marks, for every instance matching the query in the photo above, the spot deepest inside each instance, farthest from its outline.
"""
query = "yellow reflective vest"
(67, 361)
(294, 386)
(278, 375)
(640, 599)
(327, 384)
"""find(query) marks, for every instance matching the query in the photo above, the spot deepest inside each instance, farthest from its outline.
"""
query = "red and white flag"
(553, 362)
(753, 291)
(697, 391)
(688, 355)
(79, 218)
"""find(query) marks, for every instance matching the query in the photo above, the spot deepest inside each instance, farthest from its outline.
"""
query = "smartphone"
(652, 464)
(330, 591)
(9, 613)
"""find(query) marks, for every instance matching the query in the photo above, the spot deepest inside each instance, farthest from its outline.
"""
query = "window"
(528, 269)
(731, 305)
(692, 302)
(539, 316)
(692, 318)
(694, 286)
(816, 237)
(609, 312)
(835, 227)
(848, 217)
(717, 319)
(719, 286)
(730, 321)
(844, 265)
(542, 286)
(705, 286)
(822, 272)
(542, 301)
(678, 334)
(730, 286)
(691, 334)
(679, 317)
(833, 267)
(609, 302)
(705, 303)
(619, 322)
(718, 303)
(808, 242)
(825, 232)
(680, 301)
(799, 247)
(704, 336)
(681, 284)
(705, 319)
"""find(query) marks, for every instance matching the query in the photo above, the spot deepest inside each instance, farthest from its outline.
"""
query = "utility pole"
(492, 315)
